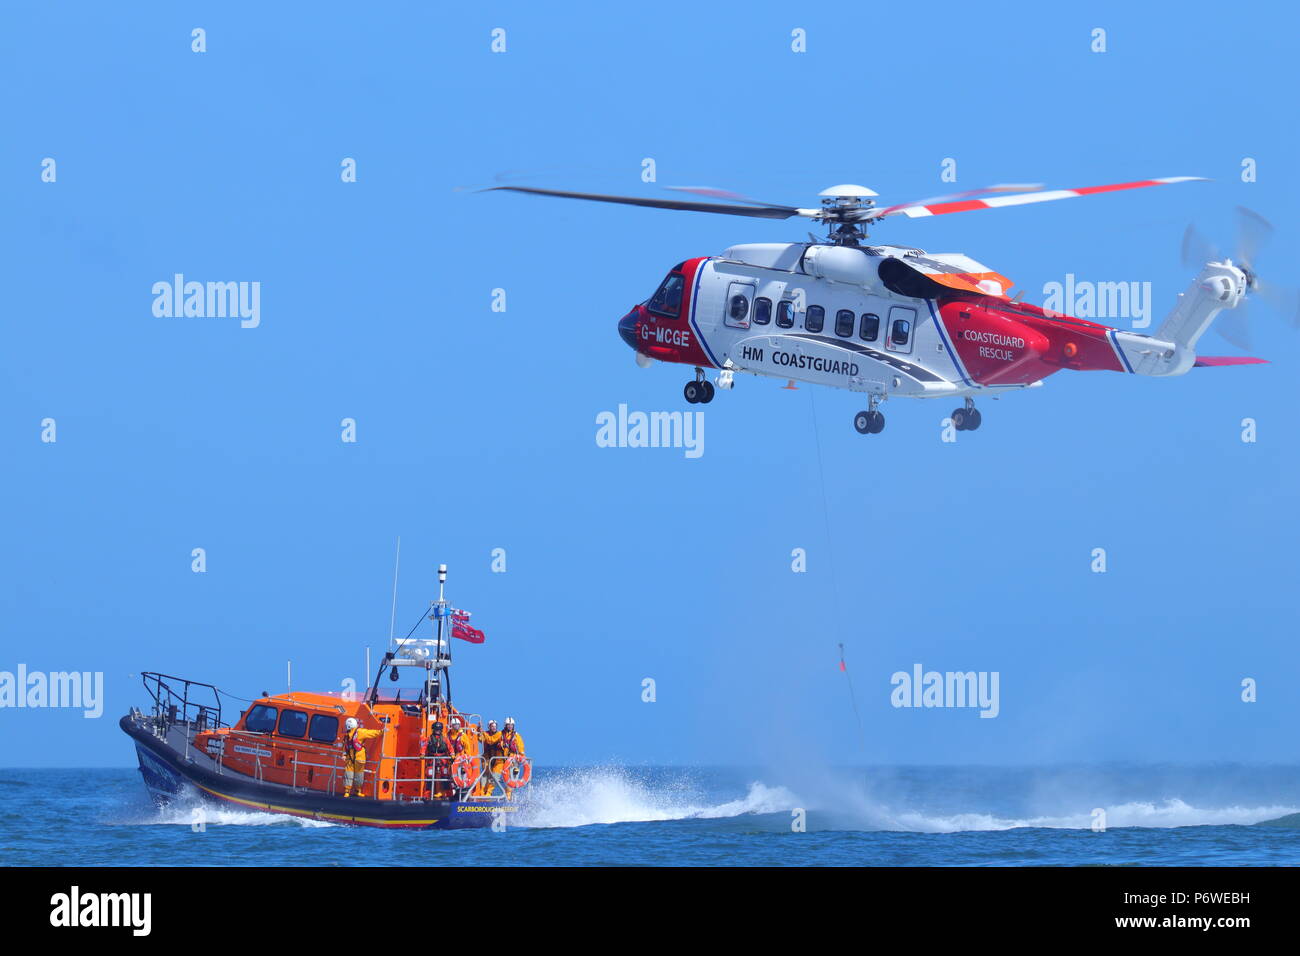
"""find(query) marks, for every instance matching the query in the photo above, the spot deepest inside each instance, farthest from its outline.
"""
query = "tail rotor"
(1253, 233)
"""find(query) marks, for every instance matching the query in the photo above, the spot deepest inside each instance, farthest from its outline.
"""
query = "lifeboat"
(427, 763)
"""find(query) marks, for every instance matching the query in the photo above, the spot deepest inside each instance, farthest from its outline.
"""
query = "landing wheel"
(966, 419)
(869, 423)
(707, 392)
(694, 392)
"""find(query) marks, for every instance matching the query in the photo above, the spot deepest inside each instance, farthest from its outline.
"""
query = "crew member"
(454, 735)
(354, 755)
(512, 743)
(464, 738)
(440, 750)
(492, 753)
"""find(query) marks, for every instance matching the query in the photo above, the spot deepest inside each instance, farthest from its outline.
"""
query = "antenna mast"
(443, 658)
(392, 619)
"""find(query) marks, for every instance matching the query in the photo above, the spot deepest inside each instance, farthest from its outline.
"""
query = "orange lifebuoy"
(464, 771)
(518, 772)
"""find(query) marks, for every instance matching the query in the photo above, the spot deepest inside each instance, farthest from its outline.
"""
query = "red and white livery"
(892, 321)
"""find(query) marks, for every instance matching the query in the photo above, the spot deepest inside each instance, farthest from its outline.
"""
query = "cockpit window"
(261, 719)
(668, 300)
(293, 723)
(324, 728)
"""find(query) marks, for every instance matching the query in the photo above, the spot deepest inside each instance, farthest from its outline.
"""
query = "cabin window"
(785, 314)
(870, 327)
(902, 332)
(293, 723)
(261, 719)
(814, 318)
(324, 728)
(762, 311)
(668, 300)
(844, 323)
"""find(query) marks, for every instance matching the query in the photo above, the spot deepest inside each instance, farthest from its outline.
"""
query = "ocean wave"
(1164, 814)
(578, 798)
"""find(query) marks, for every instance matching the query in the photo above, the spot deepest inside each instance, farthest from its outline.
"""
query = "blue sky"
(476, 430)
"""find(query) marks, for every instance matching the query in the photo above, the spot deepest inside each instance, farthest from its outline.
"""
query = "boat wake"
(189, 809)
(1150, 815)
(579, 798)
(576, 797)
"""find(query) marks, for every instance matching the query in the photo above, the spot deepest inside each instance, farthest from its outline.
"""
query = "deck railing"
(177, 700)
(488, 779)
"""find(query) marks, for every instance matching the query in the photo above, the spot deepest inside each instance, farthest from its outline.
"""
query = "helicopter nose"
(627, 328)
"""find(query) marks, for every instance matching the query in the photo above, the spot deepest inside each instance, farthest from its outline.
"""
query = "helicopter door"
(739, 305)
(902, 327)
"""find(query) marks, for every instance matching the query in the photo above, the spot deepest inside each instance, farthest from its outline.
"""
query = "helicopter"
(889, 320)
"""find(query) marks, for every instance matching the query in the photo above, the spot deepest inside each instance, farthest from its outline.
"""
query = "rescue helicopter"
(889, 320)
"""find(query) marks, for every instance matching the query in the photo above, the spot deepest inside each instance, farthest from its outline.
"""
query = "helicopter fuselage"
(885, 320)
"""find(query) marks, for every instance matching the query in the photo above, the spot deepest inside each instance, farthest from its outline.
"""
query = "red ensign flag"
(460, 628)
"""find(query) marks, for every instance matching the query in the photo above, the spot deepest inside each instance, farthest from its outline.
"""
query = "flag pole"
(442, 613)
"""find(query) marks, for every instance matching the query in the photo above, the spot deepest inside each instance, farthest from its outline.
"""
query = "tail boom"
(1172, 350)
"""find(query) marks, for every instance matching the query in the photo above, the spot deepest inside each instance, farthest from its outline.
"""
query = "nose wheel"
(700, 391)
(968, 418)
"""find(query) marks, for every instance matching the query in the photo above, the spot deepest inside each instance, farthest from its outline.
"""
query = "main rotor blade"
(715, 193)
(1022, 199)
(953, 197)
(754, 212)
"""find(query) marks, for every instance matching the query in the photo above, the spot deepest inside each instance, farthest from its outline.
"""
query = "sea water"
(701, 816)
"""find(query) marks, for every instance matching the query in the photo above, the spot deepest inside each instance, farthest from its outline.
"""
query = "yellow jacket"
(468, 740)
(513, 745)
(353, 753)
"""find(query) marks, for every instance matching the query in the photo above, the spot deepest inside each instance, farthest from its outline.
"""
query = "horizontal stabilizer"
(1211, 360)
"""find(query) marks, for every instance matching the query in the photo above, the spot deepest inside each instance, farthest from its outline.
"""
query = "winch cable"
(830, 551)
(853, 698)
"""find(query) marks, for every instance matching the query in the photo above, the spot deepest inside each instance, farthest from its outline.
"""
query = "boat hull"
(166, 771)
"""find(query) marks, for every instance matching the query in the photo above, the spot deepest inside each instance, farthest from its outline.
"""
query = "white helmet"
(350, 723)
(510, 721)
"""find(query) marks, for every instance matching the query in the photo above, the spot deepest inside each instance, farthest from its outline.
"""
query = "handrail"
(172, 705)
(437, 782)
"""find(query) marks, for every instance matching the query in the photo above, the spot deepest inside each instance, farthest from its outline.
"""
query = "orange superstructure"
(421, 764)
